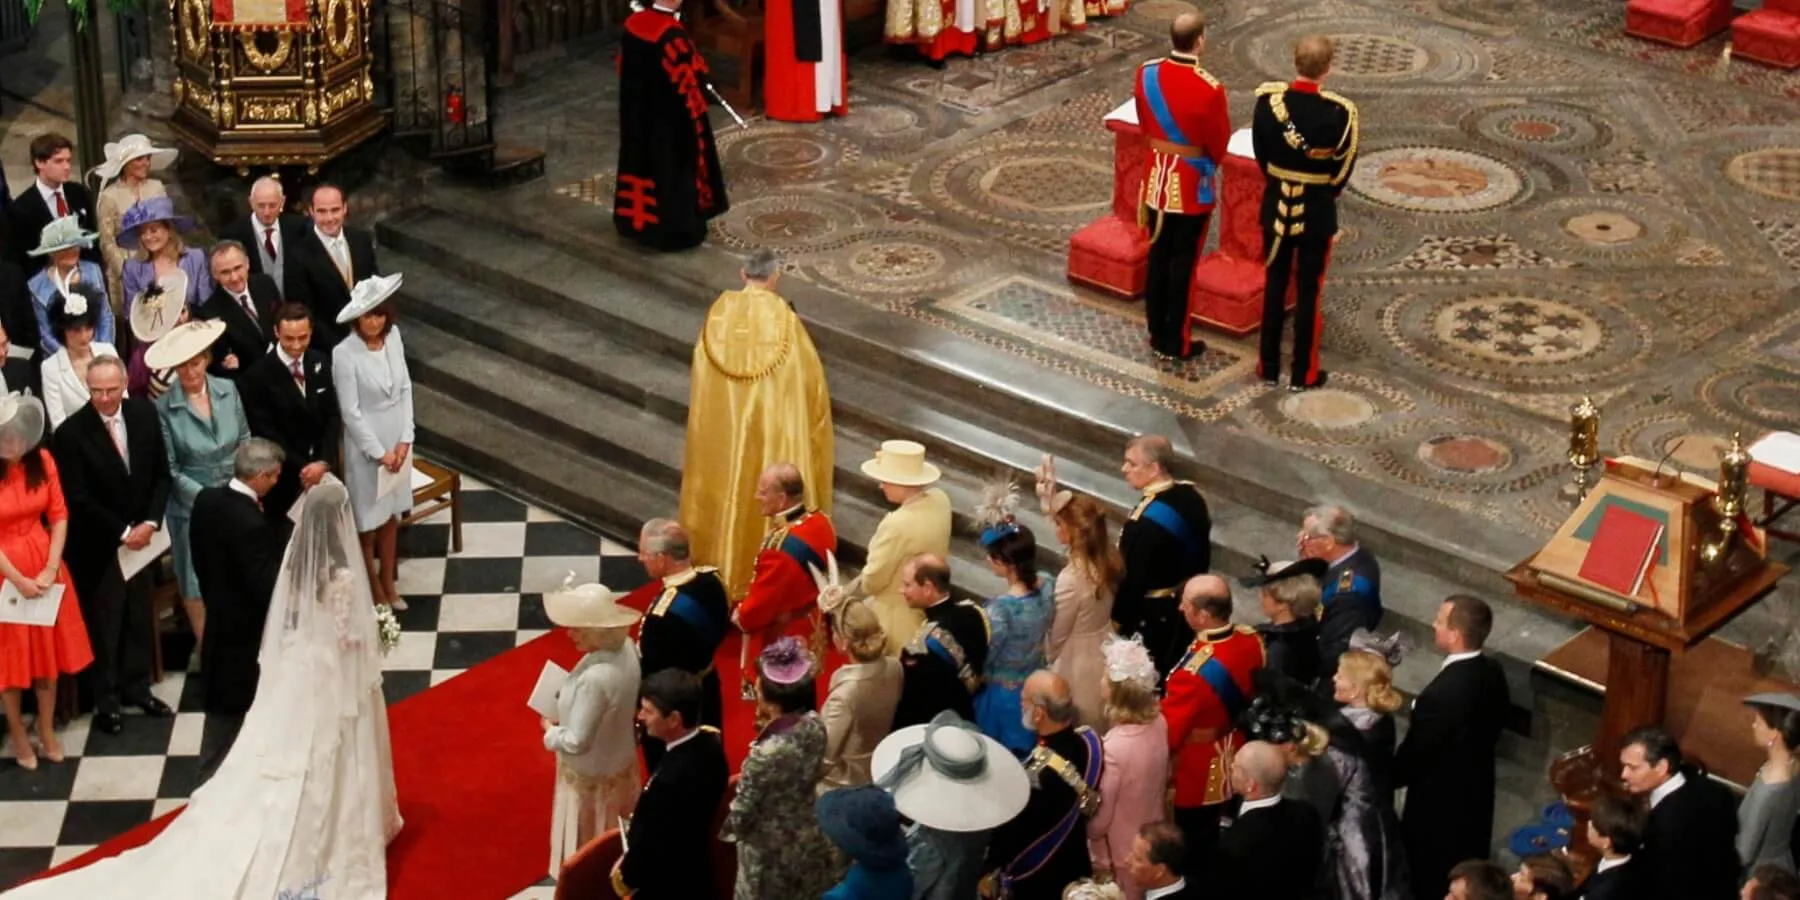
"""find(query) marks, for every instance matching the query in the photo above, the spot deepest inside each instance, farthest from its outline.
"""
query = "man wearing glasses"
(1352, 585)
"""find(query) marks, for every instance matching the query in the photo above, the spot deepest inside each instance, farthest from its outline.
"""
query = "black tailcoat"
(237, 556)
(1447, 765)
(313, 279)
(245, 337)
(18, 311)
(28, 215)
(1690, 850)
(671, 835)
(931, 683)
(307, 426)
(1617, 883)
(1270, 853)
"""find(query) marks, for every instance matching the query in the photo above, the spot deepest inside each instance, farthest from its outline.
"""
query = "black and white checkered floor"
(463, 609)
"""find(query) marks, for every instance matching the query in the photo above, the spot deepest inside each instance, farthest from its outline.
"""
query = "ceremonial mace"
(732, 112)
(1734, 490)
(1584, 449)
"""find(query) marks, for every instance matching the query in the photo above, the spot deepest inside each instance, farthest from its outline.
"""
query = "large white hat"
(183, 342)
(21, 421)
(61, 234)
(368, 294)
(951, 777)
(153, 314)
(589, 606)
(128, 148)
(902, 463)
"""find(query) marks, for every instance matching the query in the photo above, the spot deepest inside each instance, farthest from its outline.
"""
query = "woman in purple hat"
(163, 267)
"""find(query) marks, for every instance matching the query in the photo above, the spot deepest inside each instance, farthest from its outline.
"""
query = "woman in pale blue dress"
(202, 424)
(1020, 619)
(374, 391)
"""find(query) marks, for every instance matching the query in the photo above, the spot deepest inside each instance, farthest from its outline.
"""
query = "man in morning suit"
(268, 232)
(1274, 847)
(328, 259)
(289, 399)
(1158, 864)
(1210, 687)
(941, 665)
(237, 556)
(1690, 834)
(783, 599)
(686, 621)
(1351, 596)
(1167, 540)
(49, 196)
(1447, 759)
(246, 303)
(1305, 140)
(1181, 108)
(667, 853)
(116, 480)
(1615, 830)
(18, 374)
(1043, 848)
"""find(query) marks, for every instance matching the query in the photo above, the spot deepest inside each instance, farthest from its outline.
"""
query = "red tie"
(299, 377)
(62, 206)
(249, 310)
(269, 241)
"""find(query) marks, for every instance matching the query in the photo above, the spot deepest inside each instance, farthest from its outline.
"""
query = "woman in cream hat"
(920, 525)
(125, 182)
(63, 240)
(374, 391)
(592, 736)
(202, 423)
(162, 262)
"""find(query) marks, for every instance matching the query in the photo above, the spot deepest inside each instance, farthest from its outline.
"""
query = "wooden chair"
(164, 596)
(588, 874)
(443, 492)
(737, 35)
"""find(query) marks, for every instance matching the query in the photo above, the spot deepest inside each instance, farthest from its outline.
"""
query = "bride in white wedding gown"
(303, 806)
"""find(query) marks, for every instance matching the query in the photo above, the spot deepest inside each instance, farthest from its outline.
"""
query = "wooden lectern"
(1701, 573)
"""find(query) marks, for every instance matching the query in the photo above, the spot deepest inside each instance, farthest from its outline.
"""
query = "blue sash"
(1033, 857)
(689, 610)
(802, 552)
(1171, 521)
(1159, 107)
(1219, 678)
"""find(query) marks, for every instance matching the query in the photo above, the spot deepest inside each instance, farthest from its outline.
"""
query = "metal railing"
(438, 65)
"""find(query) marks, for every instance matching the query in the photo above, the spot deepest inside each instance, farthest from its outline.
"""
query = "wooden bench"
(442, 491)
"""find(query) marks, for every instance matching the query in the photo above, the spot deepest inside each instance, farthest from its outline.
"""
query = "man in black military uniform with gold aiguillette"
(1305, 139)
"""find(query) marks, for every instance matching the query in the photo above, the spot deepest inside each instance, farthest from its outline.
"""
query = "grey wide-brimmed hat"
(1775, 699)
(62, 234)
(948, 776)
(368, 294)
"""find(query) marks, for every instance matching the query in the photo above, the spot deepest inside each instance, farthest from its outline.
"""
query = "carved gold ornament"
(340, 28)
(193, 28)
(272, 60)
(268, 110)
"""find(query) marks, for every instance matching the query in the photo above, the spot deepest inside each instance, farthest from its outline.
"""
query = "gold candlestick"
(1734, 490)
(1584, 448)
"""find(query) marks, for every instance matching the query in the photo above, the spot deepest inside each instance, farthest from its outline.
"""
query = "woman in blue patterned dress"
(1020, 619)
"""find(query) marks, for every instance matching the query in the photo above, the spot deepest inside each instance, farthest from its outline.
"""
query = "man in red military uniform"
(1207, 690)
(783, 598)
(1182, 112)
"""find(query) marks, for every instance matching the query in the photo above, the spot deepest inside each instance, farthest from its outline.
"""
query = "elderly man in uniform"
(942, 661)
(1207, 691)
(686, 619)
(1167, 540)
(1044, 847)
(783, 598)
(1351, 596)
(1182, 109)
(1305, 140)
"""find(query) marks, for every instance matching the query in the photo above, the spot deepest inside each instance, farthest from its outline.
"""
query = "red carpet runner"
(474, 779)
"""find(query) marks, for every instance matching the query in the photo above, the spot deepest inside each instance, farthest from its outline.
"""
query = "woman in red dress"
(31, 561)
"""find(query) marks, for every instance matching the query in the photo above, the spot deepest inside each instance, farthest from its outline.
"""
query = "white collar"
(1458, 657)
(1347, 554)
(328, 239)
(1165, 890)
(49, 195)
(1663, 790)
(680, 740)
(1611, 862)
(1253, 805)
(266, 230)
(243, 488)
(287, 362)
(118, 416)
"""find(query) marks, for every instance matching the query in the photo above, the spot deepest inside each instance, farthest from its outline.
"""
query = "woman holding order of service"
(374, 389)
(202, 423)
(64, 373)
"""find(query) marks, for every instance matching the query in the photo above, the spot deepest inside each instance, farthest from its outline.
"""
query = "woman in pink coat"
(1137, 760)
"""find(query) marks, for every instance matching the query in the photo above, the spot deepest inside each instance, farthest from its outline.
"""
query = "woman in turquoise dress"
(1020, 619)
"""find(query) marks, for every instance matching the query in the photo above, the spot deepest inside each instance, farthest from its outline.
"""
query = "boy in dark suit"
(289, 399)
(667, 844)
(50, 196)
(1690, 835)
(1447, 759)
(1615, 829)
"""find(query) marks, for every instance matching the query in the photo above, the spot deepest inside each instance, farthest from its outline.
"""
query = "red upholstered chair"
(588, 874)
(1769, 35)
(1682, 23)
(724, 852)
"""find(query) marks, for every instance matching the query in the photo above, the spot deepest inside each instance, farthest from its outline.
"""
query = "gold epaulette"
(1197, 657)
(1271, 87)
(1207, 77)
(1340, 100)
(712, 729)
(1243, 629)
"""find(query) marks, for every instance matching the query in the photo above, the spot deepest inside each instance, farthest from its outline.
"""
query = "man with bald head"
(1044, 847)
(268, 231)
(1207, 691)
(1182, 111)
(783, 598)
(1167, 540)
(1275, 846)
(328, 260)
(686, 620)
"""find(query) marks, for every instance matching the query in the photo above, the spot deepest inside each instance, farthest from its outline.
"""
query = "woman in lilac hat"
(162, 269)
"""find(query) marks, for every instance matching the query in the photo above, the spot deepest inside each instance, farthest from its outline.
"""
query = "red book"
(1621, 551)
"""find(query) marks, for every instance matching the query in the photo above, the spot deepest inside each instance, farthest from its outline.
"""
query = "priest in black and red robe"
(805, 76)
(669, 179)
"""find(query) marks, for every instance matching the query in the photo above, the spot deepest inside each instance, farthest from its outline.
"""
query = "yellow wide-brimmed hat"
(902, 463)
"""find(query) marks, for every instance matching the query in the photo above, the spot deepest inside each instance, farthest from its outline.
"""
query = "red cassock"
(783, 597)
(1182, 112)
(805, 72)
(1206, 692)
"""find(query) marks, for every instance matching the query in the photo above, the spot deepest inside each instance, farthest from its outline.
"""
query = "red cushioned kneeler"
(1227, 293)
(1112, 253)
(1682, 23)
(1769, 35)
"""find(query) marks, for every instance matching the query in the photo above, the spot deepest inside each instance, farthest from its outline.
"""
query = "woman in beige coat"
(1084, 599)
(859, 711)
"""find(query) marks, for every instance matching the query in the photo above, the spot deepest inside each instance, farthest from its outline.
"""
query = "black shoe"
(109, 722)
(152, 707)
(1297, 387)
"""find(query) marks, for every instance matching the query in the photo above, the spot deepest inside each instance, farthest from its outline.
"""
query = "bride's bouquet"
(387, 627)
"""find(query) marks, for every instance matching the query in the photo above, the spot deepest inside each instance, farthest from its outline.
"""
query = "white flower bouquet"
(387, 626)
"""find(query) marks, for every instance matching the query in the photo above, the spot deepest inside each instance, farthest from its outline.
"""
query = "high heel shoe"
(26, 759)
(53, 749)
